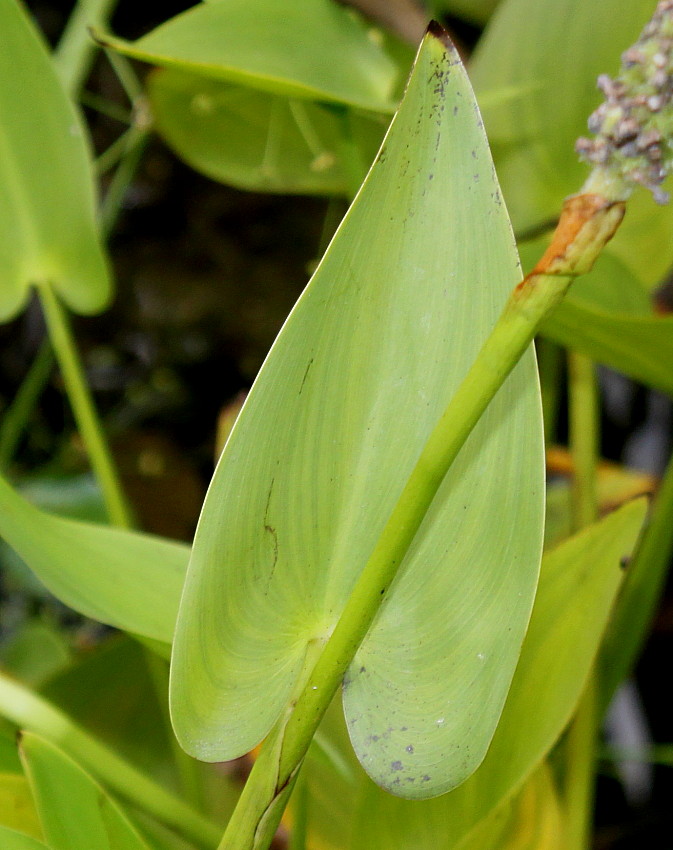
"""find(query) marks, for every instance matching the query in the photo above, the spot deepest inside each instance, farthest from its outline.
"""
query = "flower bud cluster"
(633, 127)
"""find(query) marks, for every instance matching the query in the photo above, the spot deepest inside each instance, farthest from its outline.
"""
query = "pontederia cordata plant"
(375, 520)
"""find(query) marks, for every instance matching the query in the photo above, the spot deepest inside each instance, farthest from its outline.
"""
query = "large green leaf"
(76, 812)
(579, 581)
(12, 840)
(312, 49)
(129, 580)
(259, 141)
(47, 228)
(366, 363)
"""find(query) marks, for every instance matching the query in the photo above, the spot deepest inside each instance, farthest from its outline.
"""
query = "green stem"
(114, 153)
(579, 779)
(581, 740)
(25, 709)
(106, 107)
(83, 407)
(125, 74)
(584, 427)
(136, 139)
(76, 49)
(15, 419)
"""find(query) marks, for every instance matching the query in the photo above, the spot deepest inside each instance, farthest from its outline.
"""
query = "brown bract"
(586, 225)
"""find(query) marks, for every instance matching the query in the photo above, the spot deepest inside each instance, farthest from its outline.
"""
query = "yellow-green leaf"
(367, 361)
(579, 581)
(259, 141)
(312, 49)
(17, 809)
(532, 821)
(76, 812)
(48, 234)
(124, 578)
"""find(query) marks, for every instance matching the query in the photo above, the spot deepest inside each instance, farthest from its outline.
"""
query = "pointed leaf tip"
(436, 30)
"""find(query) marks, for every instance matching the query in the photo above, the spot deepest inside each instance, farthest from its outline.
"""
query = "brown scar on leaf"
(586, 225)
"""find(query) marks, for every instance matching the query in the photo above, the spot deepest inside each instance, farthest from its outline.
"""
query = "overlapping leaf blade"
(129, 580)
(259, 141)
(277, 48)
(533, 820)
(579, 581)
(369, 358)
(76, 812)
(47, 229)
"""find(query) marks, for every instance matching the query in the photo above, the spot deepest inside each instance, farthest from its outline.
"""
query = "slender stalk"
(29, 711)
(125, 74)
(584, 426)
(83, 407)
(76, 49)
(15, 419)
(581, 740)
(587, 223)
(136, 139)
(579, 779)
(106, 107)
(114, 153)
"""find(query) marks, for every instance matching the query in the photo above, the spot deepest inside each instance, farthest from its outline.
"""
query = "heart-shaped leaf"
(366, 363)
(48, 234)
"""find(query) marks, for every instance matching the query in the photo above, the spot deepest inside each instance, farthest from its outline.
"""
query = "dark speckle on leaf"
(426, 778)
(410, 748)
(625, 561)
(396, 765)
